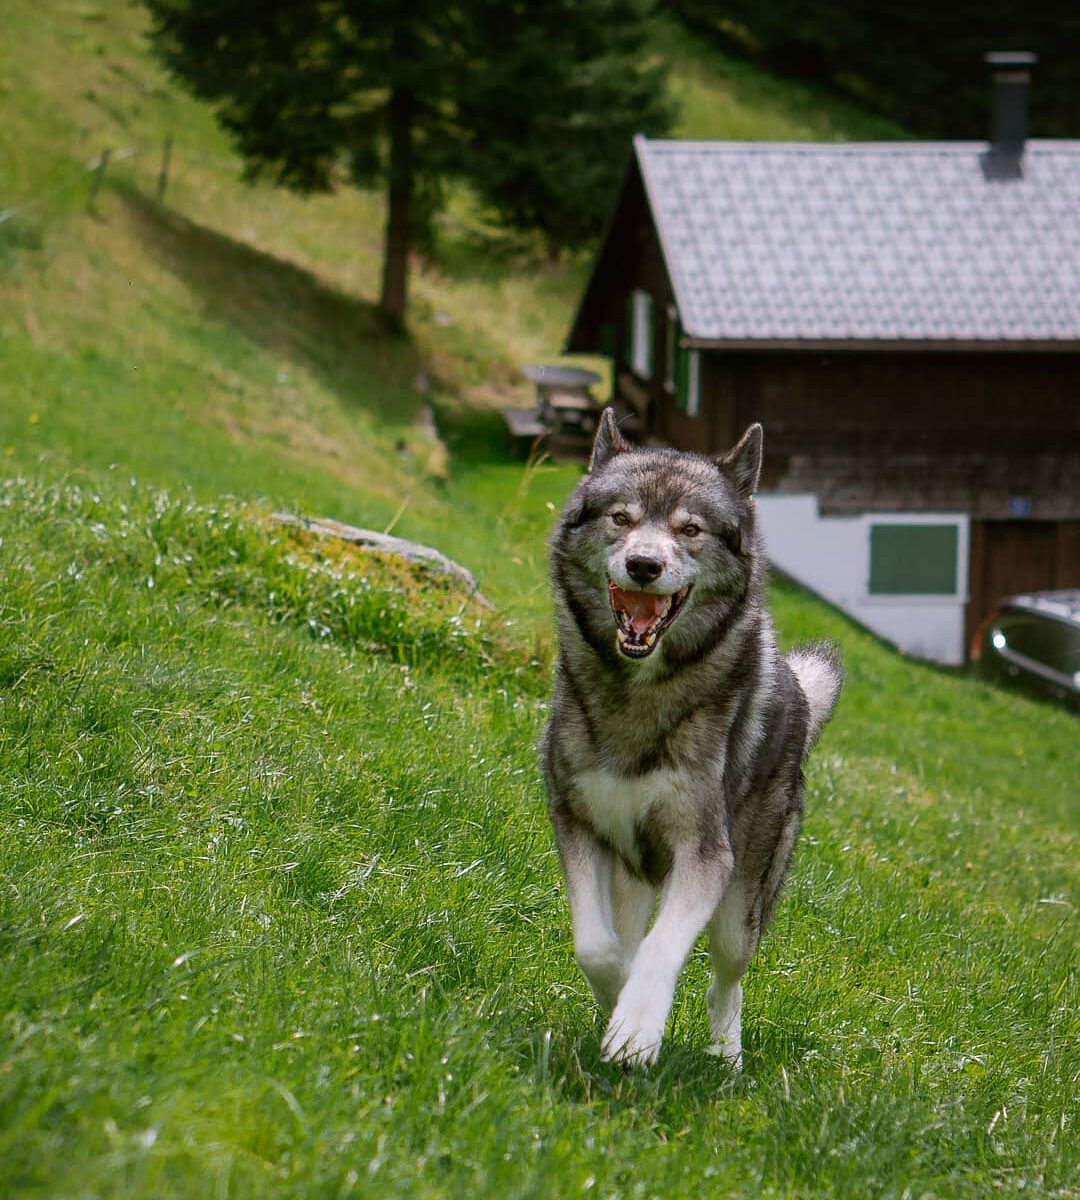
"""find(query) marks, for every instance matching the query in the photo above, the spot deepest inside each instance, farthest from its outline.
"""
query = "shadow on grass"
(684, 1081)
(286, 310)
(470, 252)
(474, 436)
(571, 1070)
(476, 252)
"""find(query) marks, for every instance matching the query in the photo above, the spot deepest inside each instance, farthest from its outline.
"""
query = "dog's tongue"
(643, 608)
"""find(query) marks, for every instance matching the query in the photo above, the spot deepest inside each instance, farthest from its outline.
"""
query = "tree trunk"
(399, 213)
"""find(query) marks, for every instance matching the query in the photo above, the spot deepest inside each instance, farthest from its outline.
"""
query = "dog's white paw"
(633, 1035)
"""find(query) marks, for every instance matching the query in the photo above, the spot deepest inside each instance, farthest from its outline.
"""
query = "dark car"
(1035, 640)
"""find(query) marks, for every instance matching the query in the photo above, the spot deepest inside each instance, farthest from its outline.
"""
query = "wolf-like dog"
(674, 750)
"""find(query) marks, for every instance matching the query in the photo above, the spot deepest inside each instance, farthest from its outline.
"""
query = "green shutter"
(913, 560)
(682, 370)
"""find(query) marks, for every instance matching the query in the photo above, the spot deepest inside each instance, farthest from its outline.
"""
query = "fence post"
(163, 174)
(97, 177)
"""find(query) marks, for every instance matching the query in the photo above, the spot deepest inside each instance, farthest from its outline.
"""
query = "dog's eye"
(690, 530)
(620, 518)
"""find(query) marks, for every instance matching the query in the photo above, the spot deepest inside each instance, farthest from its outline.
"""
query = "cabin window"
(914, 558)
(688, 380)
(693, 383)
(671, 349)
(640, 329)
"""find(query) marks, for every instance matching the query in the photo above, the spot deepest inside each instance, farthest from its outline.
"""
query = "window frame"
(641, 334)
(693, 383)
(958, 521)
(687, 375)
(671, 351)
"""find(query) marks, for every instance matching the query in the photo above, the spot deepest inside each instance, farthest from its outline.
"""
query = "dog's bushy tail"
(820, 672)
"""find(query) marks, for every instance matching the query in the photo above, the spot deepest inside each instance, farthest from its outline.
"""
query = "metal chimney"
(1011, 76)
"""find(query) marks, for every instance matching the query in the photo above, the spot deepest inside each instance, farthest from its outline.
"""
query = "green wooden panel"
(917, 560)
(682, 370)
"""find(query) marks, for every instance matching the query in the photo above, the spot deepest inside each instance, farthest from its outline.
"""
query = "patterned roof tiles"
(872, 242)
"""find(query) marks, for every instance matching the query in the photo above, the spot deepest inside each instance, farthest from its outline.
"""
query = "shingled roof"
(868, 244)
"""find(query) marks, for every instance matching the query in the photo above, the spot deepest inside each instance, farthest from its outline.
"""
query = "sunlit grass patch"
(232, 555)
(286, 909)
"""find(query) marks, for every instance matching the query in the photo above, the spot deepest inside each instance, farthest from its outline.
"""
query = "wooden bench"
(523, 429)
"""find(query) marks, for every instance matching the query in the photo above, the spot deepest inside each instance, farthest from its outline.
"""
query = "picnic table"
(564, 415)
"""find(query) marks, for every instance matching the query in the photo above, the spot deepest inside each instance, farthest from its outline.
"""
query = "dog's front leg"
(688, 899)
(588, 868)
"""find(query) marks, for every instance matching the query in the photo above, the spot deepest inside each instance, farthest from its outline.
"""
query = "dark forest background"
(918, 62)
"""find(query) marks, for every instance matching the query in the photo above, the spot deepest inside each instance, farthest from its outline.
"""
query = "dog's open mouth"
(642, 617)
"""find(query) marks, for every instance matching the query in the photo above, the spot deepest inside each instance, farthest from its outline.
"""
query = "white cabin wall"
(830, 556)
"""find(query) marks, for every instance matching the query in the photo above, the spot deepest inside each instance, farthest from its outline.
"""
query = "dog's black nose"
(643, 569)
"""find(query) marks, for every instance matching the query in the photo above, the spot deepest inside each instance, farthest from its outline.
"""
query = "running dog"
(674, 750)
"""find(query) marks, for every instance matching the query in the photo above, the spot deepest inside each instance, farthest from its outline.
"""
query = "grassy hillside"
(279, 909)
(282, 916)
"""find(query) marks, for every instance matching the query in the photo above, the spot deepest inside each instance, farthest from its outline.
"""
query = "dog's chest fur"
(641, 763)
(639, 817)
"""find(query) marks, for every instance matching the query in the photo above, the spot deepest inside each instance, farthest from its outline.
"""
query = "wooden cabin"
(903, 319)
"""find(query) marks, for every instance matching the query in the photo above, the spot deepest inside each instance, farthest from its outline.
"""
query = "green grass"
(723, 97)
(280, 913)
(283, 915)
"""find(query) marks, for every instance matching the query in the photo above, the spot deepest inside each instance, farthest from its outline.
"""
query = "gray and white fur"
(673, 755)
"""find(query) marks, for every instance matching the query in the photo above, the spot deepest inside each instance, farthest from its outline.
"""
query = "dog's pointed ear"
(609, 441)
(743, 464)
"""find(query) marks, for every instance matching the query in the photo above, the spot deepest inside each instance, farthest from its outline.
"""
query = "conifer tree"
(405, 94)
(552, 106)
(319, 92)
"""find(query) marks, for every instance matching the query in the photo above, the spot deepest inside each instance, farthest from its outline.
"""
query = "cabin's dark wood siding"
(714, 428)
(852, 401)
(981, 433)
